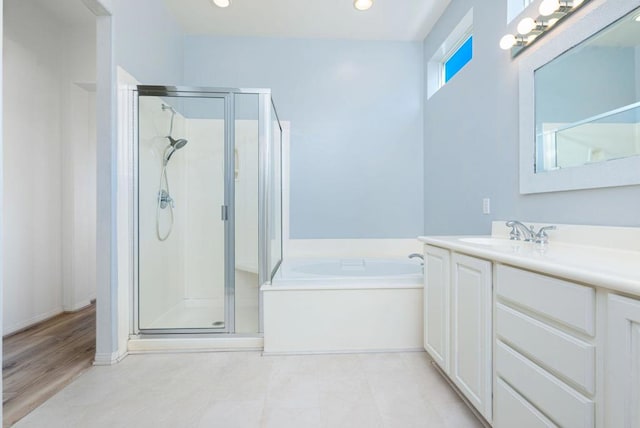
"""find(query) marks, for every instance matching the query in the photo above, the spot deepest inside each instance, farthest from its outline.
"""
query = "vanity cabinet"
(457, 303)
(437, 263)
(622, 363)
(545, 353)
(471, 330)
(539, 336)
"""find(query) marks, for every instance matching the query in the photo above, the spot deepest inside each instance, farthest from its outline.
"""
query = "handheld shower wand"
(164, 196)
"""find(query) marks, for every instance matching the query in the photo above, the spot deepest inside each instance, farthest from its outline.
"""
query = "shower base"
(208, 313)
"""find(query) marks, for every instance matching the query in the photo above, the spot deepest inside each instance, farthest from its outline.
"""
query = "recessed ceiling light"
(362, 4)
(222, 3)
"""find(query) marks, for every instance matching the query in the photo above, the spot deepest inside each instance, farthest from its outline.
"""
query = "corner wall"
(48, 163)
(471, 142)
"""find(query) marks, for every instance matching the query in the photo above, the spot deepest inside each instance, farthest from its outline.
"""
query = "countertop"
(614, 269)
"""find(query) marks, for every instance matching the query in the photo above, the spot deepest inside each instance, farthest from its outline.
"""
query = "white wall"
(187, 270)
(161, 263)
(38, 61)
(78, 94)
(1, 181)
(204, 237)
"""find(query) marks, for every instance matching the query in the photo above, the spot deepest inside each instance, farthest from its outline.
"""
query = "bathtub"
(348, 273)
(343, 305)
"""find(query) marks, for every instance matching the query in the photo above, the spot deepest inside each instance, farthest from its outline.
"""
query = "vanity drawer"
(560, 353)
(560, 403)
(512, 410)
(565, 302)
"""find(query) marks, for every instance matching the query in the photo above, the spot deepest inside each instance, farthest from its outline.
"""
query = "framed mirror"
(580, 103)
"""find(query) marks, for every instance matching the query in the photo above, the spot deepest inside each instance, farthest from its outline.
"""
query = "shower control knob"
(165, 199)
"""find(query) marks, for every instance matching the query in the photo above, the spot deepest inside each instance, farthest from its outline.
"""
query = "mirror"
(587, 100)
(580, 102)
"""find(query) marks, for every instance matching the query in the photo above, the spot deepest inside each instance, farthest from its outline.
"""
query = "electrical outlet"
(486, 206)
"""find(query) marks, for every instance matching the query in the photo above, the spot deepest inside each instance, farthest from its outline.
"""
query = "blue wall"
(148, 42)
(471, 142)
(355, 109)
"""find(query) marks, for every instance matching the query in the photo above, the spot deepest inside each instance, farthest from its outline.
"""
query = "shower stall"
(208, 207)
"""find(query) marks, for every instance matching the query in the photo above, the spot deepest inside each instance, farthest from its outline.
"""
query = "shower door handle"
(224, 213)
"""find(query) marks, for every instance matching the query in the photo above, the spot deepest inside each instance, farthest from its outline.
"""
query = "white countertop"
(613, 269)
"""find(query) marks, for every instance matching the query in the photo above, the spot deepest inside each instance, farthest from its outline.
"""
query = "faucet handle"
(541, 236)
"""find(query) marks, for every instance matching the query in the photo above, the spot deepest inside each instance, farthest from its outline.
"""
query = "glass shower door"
(185, 205)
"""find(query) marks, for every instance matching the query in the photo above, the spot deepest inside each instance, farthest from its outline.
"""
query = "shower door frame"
(265, 274)
(227, 209)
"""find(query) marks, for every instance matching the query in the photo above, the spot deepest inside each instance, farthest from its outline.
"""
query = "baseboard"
(164, 344)
(341, 352)
(79, 305)
(21, 326)
(108, 359)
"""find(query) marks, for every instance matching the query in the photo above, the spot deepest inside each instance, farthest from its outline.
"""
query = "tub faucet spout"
(418, 255)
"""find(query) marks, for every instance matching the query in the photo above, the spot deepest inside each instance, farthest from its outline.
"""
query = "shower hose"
(164, 196)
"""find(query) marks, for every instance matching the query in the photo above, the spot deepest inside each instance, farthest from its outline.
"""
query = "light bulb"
(548, 7)
(637, 18)
(222, 3)
(507, 41)
(576, 3)
(526, 26)
(362, 4)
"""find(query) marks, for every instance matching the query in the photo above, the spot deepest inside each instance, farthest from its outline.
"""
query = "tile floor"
(245, 389)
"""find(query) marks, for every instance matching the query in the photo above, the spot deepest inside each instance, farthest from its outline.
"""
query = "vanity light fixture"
(362, 5)
(529, 29)
(549, 7)
(222, 3)
(526, 26)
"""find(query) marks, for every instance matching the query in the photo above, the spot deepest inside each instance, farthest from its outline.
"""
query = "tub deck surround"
(349, 273)
(607, 257)
(346, 310)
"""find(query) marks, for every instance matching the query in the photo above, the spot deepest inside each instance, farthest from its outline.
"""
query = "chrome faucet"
(518, 229)
(541, 236)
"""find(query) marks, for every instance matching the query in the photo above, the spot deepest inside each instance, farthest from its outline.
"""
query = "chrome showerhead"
(177, 144)
(173, 146)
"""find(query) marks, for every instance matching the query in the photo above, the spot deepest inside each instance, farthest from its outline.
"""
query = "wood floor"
(41, 360)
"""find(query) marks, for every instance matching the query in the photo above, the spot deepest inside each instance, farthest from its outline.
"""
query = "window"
(515, 7)
(451, 57)
(460, 57)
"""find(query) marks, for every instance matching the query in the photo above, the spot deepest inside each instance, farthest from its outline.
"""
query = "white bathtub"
(343, 305)
(348, 273)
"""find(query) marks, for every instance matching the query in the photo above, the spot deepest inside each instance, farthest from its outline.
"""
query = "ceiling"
(330, 19)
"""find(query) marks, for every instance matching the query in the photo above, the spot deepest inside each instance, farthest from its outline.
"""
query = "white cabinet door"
(471, 330)
(622, 371)
(436, 304)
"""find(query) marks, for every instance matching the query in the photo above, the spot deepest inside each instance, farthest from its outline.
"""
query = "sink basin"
(486, 241)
